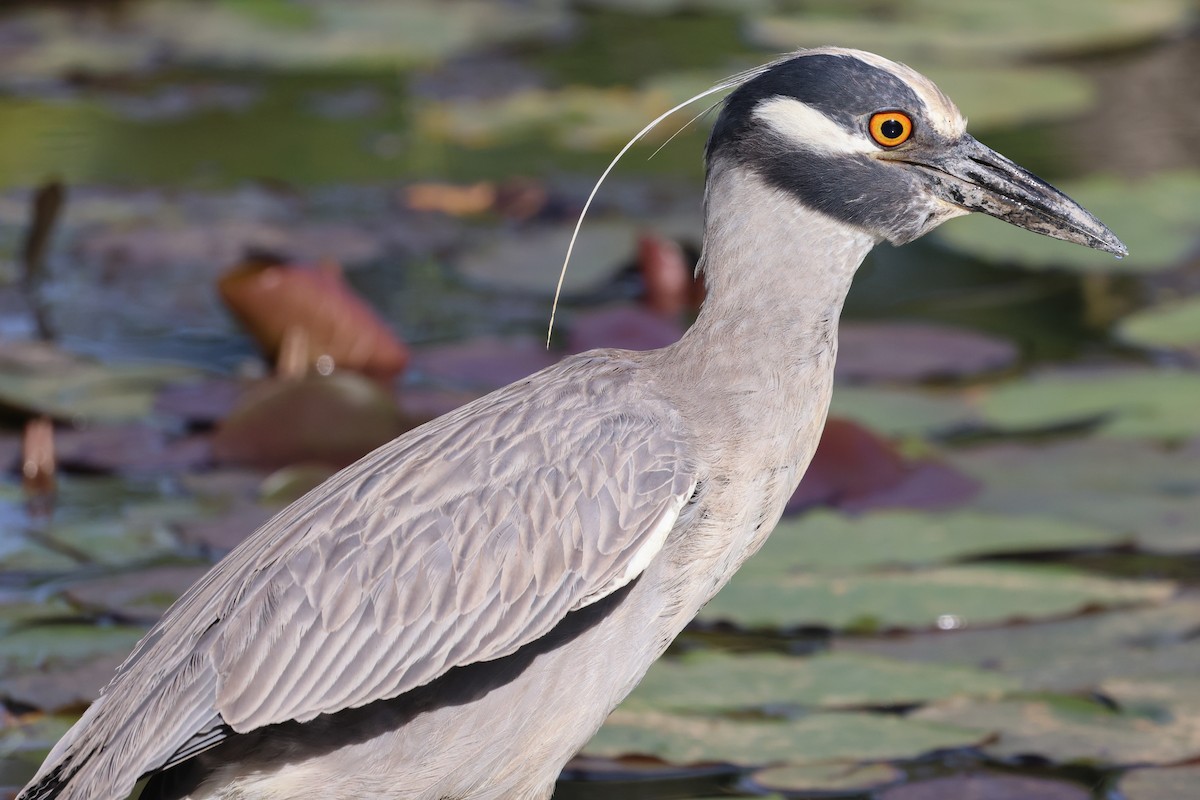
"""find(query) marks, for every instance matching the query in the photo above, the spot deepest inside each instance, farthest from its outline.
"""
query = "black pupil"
(892, 129)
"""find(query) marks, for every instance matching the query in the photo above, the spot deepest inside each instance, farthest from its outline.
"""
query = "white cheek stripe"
(803, 123)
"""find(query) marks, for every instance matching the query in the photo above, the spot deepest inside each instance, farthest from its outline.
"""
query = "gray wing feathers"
(457, 543)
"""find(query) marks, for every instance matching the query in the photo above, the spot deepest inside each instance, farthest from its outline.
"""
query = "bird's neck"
(763, 346)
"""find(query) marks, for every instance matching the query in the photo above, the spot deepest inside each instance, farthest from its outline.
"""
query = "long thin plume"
(728, 83)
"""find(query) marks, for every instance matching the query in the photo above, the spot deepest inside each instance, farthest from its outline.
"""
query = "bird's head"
(874, 144)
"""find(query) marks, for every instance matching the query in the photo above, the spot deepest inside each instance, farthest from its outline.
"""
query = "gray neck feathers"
(761, 352)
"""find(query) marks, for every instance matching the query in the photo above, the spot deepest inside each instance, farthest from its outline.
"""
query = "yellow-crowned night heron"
(456, 614)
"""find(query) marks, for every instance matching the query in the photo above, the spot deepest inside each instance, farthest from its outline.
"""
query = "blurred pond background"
(243, 242)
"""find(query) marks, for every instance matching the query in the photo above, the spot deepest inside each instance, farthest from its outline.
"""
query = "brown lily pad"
(333, 420)
(271, 299)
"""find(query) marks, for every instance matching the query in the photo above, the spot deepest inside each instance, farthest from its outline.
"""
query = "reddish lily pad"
(340, 329)
(856, 470)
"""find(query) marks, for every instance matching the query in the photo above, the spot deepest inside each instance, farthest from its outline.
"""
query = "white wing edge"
(646, 553)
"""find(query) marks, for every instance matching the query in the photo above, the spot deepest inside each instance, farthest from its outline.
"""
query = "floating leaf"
(60, 688)
(49, 646)
(1068, 729)
(1160, 784)
(1140, 402)
(333, 419)
(813, 738)
(317, 34)
(143, 593)
(39, 379)
(907, 351)
(1154, 217)
(530, 260)
(824, 540)
(274, 301)
(1072, 655)
(706, 682)
(35, 733)
(903, 412)
(1142, 490)
(1173, 325)
(574, 118)
(987, 787)
(827, 778)
(764, 595)
(920, 31)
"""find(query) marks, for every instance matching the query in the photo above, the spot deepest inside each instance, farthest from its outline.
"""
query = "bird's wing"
(456, 548)
(457, 543)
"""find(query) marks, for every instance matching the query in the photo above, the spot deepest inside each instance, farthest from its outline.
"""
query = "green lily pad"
(530, 261)
(575, 118)
(1142, 490)
(827, 777)
(923, 30)
(44, 646)
(1137, 403)
(1071, 655)
(904, 412)
(1173, 325)
(706, 682)
(1072, 729)
(1010, 97)
(1160, 784)
(19, 610)
(814, 738)
(828, 541)
(1154, 217)
(766, 594)
(34, 733)
(79, 390)
(322, 34)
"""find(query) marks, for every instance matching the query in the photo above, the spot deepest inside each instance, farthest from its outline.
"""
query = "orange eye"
(890, 128)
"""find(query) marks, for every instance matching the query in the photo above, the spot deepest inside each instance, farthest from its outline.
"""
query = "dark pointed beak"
(977, 178)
